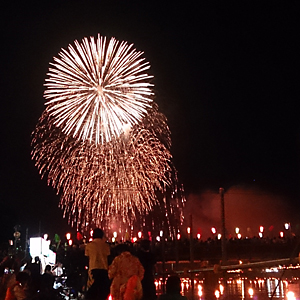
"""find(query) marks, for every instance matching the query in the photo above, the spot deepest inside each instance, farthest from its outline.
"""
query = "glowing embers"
(102, 143)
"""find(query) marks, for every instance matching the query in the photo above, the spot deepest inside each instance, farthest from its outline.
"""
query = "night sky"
(226, 75)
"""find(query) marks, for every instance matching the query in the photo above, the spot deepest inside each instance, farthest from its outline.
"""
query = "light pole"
(224, 256)
(191, 254)
(17, 235)
(163, 258)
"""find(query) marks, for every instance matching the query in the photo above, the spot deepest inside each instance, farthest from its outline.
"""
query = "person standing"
(47, 291)
(126, 272)
(20, 289)
(173, 287)
(148, 261)
(97, 252)
(35, 271)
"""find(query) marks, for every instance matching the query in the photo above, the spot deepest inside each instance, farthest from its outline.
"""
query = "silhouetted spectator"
(173, 288)
(148, 260)
(35, 273)
(20, 289)
(46, 287)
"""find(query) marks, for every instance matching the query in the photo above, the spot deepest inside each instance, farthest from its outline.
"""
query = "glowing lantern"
(221, 288)
(79, 236)
(200, 293)
(290, 296)
(251, 292)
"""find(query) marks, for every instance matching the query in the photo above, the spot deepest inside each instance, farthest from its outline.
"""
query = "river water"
(280, 285)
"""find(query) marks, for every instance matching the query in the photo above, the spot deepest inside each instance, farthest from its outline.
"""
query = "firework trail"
(118, 173)
(124, 178)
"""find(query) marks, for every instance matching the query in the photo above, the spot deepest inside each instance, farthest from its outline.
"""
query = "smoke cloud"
(245, 208)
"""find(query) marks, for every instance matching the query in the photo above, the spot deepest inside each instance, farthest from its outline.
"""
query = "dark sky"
(226, 77)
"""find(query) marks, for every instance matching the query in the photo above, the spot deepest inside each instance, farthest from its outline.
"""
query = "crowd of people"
(121, 271)
(253, 248)
(22, 280)
(126, 271)
(126, 276)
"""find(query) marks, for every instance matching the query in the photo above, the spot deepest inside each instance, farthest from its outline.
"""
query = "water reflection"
(239, 288)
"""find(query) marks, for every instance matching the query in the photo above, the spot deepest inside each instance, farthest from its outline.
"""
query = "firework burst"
(102, 143)
(96, 89)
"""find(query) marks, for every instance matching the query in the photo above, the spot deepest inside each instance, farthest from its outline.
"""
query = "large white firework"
(102, 143)
(97, 89)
